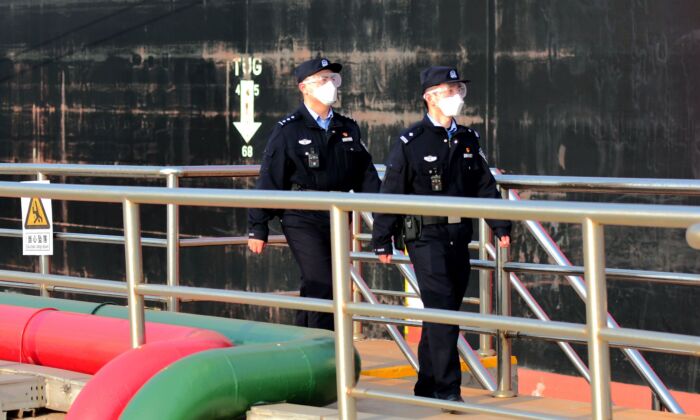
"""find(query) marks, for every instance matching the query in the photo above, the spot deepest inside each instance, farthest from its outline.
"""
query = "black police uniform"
(300, 155)
(425, 161)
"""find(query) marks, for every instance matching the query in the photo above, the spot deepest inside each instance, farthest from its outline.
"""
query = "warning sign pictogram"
(36, 215)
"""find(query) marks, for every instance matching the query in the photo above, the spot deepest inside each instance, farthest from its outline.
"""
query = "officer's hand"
(256, 245)
(504, 242)
(385, 258)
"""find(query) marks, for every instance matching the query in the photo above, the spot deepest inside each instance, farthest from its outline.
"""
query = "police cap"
(436, 75)
(309, 67)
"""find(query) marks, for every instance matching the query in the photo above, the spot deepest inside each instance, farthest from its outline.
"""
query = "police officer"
(437, 157)
(312, 149)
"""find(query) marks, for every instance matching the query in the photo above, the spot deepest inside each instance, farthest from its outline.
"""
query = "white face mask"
(327, 93)
(451, 106)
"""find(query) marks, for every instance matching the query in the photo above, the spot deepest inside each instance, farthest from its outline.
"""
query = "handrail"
(593, 216)
(687, 187)
(600, 184)
(129, 171)
(643, 215)
(523, 182)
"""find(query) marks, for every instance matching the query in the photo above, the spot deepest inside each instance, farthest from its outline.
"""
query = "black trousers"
(310, 242)
(441, 261)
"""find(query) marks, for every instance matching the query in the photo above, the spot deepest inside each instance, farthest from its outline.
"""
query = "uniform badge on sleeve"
(468, 153)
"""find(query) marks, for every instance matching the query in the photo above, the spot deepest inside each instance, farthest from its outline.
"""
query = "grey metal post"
(344, 351)
(503, 343)
(173, 244)
(596, 318)
(357, 247)
(656, 404)
(134, 272)
(485, 288)
(44, 260)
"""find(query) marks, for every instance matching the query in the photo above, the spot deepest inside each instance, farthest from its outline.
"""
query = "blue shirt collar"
(450, 131)
(322, 122)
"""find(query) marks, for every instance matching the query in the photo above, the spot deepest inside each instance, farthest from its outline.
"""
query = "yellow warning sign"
(36, 215)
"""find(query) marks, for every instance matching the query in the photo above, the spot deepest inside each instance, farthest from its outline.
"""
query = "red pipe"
(13, 322)
(76, 342)
(111, 389)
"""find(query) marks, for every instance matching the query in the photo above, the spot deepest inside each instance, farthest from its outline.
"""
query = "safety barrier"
(592, 217)
(661, 396)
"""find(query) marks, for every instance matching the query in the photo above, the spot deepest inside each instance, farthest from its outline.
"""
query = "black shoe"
(424, 394)
(451, 398)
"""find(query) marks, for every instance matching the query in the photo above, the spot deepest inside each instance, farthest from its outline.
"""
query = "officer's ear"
(304, 88)
(426, 100)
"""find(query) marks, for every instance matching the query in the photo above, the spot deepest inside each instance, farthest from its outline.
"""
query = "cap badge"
(324, 62)
(453, 74)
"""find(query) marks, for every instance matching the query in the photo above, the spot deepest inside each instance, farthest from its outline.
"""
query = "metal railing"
(661, 396)
(170, 174)
(173, 242)
(592, 217)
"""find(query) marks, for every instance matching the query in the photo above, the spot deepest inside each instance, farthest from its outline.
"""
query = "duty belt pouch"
(411, 228)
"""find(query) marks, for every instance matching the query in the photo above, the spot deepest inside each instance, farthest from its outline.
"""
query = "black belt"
(439, 220)
(297, 187)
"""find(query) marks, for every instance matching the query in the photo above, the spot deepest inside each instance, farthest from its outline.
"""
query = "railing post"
(656, 404)
(485, 288)
(134, 272)
(503, 342)
(173, 244)
(44, 260)
(344, 351)
(357, 247)
(596, 318)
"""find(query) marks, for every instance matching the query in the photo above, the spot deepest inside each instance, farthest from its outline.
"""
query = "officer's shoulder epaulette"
(294, 116)
(473, 133)
(344, 118)
(411, 133)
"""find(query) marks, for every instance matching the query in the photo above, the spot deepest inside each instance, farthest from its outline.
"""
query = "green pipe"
(28, 301)
(270, 363)
(241, 332)
(225, 383)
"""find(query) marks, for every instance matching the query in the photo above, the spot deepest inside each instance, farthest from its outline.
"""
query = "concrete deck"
(385, 355)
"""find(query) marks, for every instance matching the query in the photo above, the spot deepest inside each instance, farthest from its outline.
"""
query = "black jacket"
(344, 164)
(421, 152)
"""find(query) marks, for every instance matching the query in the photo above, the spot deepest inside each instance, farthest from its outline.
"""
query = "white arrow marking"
(247, 127)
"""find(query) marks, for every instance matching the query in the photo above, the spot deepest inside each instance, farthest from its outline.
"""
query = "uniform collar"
(315, 116)
(310, 119)
(430, 123)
